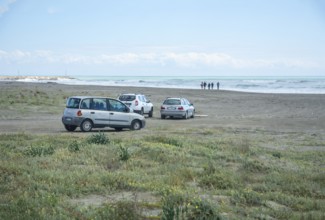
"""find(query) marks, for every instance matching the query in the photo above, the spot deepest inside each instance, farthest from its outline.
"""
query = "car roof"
(89, 97)
(130, 94)
(173, 98)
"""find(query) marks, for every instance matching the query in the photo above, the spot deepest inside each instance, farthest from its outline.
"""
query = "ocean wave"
(35, 78)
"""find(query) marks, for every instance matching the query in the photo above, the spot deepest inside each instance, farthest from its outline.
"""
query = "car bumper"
(76, 121)
(173, 113)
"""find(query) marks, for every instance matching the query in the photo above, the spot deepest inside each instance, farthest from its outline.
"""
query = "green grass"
(40, 174)
(161, 173)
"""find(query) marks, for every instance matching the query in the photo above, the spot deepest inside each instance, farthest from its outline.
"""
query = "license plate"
(171, 108)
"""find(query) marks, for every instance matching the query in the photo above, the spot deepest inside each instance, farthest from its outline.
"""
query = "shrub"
(39, 151)
(74, 146)
(202, 209)
(219, 180)
(276, 154)
(183, 207)
(99, 138)
(125, 210)
(124, 154)
(174, 207)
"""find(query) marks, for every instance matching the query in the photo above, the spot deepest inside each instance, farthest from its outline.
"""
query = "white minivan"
(89, 112)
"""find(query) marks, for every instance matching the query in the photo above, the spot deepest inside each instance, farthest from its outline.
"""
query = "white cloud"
(183, 60)
(5, 6)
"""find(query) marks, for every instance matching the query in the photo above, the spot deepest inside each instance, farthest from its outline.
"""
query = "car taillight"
(136, 102)
(162, 107)
(79, 113)
(180, 108)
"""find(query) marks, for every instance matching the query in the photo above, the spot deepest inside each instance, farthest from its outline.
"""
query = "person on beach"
(201, 85)
(209, 86)
(218, 84)
(204, 85)
(212, 85)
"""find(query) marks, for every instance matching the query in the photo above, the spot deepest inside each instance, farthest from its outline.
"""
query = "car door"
(118, 113)
(147, 104)
(189, 107)
(99, 112)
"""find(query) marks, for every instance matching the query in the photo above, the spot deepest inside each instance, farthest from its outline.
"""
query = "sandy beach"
(217, 109)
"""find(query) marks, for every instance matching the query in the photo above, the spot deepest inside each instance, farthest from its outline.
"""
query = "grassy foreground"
(166, 173)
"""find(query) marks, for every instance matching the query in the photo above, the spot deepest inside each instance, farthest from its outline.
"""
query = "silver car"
(177, 107)
(98, 112)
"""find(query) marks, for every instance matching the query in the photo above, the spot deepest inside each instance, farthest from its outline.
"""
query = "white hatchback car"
(138, 102)
(177, 107)
(89, 112)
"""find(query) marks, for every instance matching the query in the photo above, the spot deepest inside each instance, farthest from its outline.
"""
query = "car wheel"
(70, 127)
(142, 112)
(136, 125)
(193, 114)
(163, 116)
(151, 113)
(86, 125)
(186, 115)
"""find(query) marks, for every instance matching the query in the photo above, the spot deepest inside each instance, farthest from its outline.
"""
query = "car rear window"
(172, 102)
(73, 103)
(127, 97)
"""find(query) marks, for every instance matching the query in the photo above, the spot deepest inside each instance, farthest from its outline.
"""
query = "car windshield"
(172, 102)
(126, 97)
(73, 103)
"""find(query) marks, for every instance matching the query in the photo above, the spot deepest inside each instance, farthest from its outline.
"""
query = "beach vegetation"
(98, 138)
(42, 174)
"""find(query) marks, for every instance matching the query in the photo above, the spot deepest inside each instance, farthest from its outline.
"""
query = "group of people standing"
(204, 85)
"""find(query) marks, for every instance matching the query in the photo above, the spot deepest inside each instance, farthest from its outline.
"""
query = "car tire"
(193, 114)
(70, 127)
(142, 112)
(186, 115)
(150, 113)
(163, 116)
(135, 125)
(86, 126)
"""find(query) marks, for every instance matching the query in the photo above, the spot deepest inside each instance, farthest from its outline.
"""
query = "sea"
(258, 84)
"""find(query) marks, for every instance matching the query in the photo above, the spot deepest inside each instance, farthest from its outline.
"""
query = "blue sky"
(162, 37)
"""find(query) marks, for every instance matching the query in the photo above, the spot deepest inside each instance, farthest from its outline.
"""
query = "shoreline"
(241, 84)
(153, 87)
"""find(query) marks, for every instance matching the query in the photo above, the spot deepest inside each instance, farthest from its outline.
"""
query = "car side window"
(85, 104)
(99, 104)
(117, 106)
